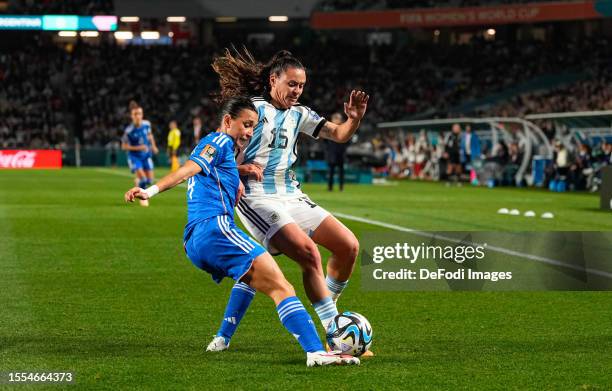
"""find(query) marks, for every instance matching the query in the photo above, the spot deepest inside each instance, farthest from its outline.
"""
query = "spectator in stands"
(470, 146)
(515, 158)
(581, 172)
(453, 153)
(561, 161)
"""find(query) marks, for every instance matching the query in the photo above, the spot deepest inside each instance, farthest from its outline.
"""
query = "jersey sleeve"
(311, 122)
(125, 139)
(207, 155)
(149, 128)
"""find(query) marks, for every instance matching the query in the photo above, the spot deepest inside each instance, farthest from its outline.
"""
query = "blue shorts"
(138, 163)
(220, 248)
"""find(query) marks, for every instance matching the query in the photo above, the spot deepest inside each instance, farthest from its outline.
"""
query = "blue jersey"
(135, 136)
(212, 192)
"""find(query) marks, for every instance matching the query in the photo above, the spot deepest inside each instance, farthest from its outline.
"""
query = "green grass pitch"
(103, 289)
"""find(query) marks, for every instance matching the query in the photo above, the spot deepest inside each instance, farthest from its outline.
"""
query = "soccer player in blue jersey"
(275, 210)
(216, 245)
(140, 144)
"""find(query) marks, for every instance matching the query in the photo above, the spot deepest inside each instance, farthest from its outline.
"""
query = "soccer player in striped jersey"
(274, 210)
(139, 143)
(216, 245)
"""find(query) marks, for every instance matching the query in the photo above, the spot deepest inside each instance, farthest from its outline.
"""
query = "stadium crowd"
(174, 82)
(52, 94)
(32, 108)
(428, 156)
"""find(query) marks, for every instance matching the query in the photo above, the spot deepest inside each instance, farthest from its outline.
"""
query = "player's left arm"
(152, 141)
(355, 110)
(171, 180)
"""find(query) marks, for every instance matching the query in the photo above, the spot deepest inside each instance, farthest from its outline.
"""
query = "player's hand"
(356, 107)
(135, 192)
(240, 191)
(155, 150)
(251, 170)
(142, 148)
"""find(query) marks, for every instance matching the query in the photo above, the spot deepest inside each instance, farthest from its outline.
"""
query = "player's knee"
(352, 249)
(310, 259)
(347, 250)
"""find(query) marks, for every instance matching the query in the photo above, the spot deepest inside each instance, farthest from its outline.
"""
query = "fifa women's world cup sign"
(487, 261)
(30, 159)
(490, 15)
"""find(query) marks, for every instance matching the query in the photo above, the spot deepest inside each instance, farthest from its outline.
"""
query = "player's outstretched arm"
(171, 180)
(354, 109)
(153, 144)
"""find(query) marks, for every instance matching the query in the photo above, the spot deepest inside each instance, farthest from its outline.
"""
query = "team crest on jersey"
(208, 153)
(314, 115)
(274, 217)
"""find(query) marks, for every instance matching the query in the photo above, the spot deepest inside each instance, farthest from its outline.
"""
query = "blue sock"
(326, 310)
(239, 301)
(296, 320)
(142, 183)
(335, 287)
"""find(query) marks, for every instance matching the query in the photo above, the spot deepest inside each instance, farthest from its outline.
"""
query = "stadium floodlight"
(89, 34)
(149, 35)
(226, 19)
(176, 19)
(67, 33)
(129, 19)
(278, 18)
(123, 35)
(491, 32)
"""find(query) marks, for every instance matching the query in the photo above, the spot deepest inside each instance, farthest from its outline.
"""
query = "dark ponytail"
(279, 63)
(234, 106)
(241, 75)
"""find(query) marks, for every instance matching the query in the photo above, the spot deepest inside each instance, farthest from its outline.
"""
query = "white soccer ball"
(350, 333)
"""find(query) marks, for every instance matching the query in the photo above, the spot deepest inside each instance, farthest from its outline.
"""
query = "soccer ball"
(350, 333)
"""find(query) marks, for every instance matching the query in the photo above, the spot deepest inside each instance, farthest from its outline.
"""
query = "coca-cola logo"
(20, 159)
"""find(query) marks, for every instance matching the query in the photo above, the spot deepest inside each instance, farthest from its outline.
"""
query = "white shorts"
(263, 216)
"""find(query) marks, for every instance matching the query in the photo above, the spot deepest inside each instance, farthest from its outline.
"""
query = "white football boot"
(217, 344)
(330, 358)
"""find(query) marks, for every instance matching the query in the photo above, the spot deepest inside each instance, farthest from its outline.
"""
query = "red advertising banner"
(37, 158)
(440, 17)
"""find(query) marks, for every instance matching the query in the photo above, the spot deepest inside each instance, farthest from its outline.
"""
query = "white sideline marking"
(494, 248)
(430, 235)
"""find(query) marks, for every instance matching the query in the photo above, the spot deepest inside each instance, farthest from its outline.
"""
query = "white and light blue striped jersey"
(273, 146)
